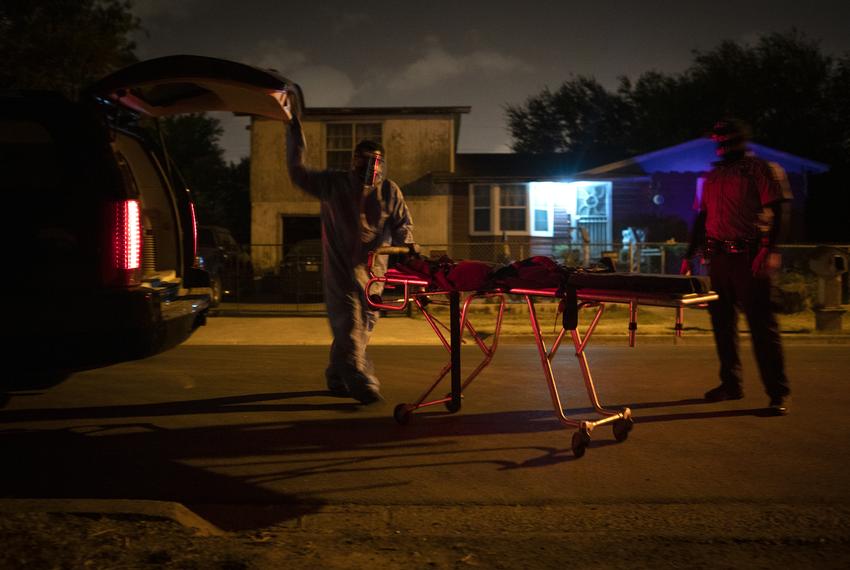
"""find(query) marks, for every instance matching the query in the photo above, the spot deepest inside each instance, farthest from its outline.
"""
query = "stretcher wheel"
(581, 439)
(401, 414)
(622, 428)
(451, 406)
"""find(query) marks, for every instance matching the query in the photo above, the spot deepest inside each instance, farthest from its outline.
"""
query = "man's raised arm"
(306, 179)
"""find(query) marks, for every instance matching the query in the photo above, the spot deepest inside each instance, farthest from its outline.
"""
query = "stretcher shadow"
(641, 418)
(239, 476)
(229, 404)
(757, 412)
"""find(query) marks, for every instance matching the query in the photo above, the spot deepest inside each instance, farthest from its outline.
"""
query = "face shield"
(370, 167)
(730, 136)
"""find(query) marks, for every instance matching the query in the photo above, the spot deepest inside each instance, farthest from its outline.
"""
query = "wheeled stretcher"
(580, 289)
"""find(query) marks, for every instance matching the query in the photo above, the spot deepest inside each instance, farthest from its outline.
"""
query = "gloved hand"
(685, 268)
(291, 101)
(766, 262)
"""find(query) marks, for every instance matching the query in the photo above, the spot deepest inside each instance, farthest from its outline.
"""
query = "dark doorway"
(301, 268)
(298, 228)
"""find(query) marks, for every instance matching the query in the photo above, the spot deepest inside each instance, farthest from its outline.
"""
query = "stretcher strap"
(570, 306)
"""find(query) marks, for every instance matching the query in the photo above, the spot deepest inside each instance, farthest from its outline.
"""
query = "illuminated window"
(341, 138)
(542, 210)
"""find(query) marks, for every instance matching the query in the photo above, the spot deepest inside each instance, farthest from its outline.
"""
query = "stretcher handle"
(390, 250)
(386, 306)
(393, 250)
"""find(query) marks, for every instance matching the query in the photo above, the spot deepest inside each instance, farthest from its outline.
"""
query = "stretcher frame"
(416, 291)
(621, 420)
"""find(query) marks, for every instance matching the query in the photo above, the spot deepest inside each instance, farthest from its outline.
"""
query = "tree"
(581, 118)
(64, 45)
(220, 190)
(792, 93)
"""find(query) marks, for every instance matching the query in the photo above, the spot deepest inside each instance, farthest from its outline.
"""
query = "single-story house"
(667, 183)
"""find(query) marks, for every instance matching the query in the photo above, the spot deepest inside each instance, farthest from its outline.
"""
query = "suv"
(230, 268)
(103, 243)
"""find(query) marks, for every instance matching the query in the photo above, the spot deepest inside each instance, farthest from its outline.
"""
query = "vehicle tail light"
(194, 230)
(125, 229)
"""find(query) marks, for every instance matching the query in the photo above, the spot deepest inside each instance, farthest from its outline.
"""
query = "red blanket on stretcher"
(541, 272)
(469, 275)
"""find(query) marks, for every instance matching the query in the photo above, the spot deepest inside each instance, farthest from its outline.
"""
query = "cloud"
(323, 85)
(328, 86)
(437, 65)
(276, 55)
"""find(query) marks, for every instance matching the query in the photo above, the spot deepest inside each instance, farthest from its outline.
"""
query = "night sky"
(483, 54)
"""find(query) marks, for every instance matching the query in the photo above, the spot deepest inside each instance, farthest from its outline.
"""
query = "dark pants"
(732, 279)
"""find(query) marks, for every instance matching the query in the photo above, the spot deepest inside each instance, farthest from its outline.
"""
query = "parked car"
(301, 272)
(100, 233)
(230, 268)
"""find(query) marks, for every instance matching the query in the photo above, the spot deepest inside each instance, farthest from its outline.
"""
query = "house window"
(514, 209)
(481, 209)
(341, 139)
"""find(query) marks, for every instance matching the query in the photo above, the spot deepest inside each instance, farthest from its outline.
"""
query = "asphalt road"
(236, 425)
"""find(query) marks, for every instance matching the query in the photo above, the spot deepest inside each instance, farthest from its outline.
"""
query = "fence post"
(585, 245)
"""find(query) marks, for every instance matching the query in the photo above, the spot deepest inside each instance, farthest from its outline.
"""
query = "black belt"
(713, 246)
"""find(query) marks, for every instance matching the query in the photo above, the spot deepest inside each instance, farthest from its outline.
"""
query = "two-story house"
(418, 141)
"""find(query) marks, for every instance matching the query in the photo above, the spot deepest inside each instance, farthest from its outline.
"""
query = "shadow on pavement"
(236, 475)
(229, 404)
(231, 474)
(64, 464)
(641, 418)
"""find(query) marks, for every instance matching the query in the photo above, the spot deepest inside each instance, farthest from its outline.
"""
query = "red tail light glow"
(126, 236)
(194, 231)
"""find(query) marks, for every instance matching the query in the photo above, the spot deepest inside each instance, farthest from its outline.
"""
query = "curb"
(710, 520)
(155, 509)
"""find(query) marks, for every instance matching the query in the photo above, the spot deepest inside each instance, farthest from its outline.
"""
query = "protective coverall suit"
(356, 218)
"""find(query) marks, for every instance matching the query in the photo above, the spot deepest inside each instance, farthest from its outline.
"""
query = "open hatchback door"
(179, 84)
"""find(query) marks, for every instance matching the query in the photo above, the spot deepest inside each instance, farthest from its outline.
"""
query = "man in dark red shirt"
(743, 208)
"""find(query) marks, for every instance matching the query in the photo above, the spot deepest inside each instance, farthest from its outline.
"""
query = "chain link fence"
(291, 283)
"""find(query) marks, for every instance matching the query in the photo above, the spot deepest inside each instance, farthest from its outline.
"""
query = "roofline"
(606, 168)
(347, 111)
(812, 164)
(484, 179)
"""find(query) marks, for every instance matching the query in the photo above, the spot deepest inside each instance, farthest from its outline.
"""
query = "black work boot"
(779, 405)
(338, 388)
(366, 394)
(724, 392)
